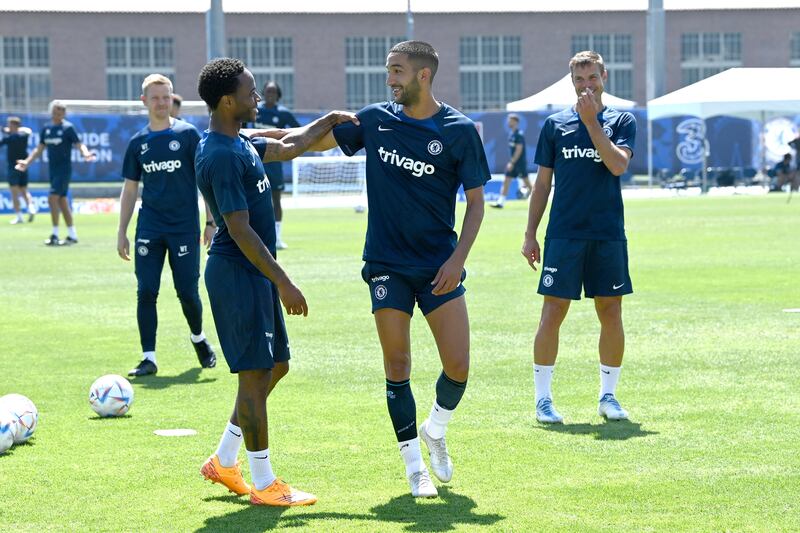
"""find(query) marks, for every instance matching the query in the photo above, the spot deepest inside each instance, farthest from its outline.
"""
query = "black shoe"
(68, 242)
(145, 368)
(497, 205)
(52, 241)
(30, 216)
(205, 354)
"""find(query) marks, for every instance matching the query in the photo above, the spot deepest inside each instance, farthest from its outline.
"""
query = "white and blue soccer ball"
(8, 428)
(25, 413)
(111, 395)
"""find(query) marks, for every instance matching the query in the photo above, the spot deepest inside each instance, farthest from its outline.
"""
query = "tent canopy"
(561, 95)
(754, 93)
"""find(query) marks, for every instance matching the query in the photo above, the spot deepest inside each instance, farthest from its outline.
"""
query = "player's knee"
(254, 383)
(144, 295)
(189, 296)
(280, 370)
(458, 368)
(553, 313)
(609, 310)
(397, 365)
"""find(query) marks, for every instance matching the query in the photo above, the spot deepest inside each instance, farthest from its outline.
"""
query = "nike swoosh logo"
(234, 434)
(605, 371)
(404, 446)
(615, 287)
(182, 254)
(265, 457)
(381, 128)
(568, 132)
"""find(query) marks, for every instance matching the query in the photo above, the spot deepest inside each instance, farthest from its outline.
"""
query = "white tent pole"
(763, 146)
(649, 151)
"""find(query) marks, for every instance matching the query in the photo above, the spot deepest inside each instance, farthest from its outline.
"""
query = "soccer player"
(161, 157)
(419, 152)
(517, 165)
(59, 136)
(15, 137)
(246, 286)
(177, 102)
(273, 115)
(588, 147)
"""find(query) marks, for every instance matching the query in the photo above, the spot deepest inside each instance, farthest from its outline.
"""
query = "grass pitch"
(710, 377)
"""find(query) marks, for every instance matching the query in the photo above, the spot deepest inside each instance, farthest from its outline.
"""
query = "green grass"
(711, 381)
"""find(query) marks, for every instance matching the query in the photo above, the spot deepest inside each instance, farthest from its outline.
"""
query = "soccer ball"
(359, 208)
(111, 395)
(8, 428)
(25, 413)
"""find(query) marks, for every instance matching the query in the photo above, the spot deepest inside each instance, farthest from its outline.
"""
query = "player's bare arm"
(541, 193)
(23, 164)
(615, 158)
(210, 228)
(253, 248)
(85, 152)
(127, 203)
(307, 138)
(514, 158)
(449, 275)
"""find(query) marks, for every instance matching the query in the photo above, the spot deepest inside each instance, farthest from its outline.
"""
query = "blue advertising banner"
(39, 198)
(677, 142)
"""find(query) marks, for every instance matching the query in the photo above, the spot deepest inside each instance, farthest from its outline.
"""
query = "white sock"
(501, 199)
(260, 469)
(542, 378)
(55, 231)
(198, 338)
(229, 445)
(31, 207)
(438, 420)
(609, 375)
(72, 233)
(150, 356)
(19, 216)
(412, 455)
(278, 230)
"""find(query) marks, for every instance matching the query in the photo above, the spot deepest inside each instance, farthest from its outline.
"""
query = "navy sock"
(402, 409)
(449, 391)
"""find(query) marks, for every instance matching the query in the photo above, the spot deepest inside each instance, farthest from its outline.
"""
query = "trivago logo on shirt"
(156, 166)
(55, 141)
(263, 184)
(589, 153)
(417, 168)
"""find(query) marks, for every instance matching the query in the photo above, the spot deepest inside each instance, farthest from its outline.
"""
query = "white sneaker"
(280, 245)
(17, 220)
(546, 413)
(441, 464)
(610, 408)
(421, 485)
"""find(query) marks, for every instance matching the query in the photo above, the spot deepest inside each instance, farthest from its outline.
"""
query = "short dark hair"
(277, 88)
(218, 78)
(15, 120)
(513, 116)
(177, 99)
(586, 58)
(420, 53)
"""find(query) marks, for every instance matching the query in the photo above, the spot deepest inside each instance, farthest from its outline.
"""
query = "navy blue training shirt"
(164, 162)
(231, 177)
(513, 140)
(17, 147)
(587, 201)
(414, 170)
(59, 140)
(275, 117)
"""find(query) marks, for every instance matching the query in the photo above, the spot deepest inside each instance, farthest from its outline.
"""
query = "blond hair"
(57, 104)
(155, 79)
(587, 57)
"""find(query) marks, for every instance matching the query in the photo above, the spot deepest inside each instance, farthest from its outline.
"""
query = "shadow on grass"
(162, 382)
(610, 430)
(442, 514)
(98, 418)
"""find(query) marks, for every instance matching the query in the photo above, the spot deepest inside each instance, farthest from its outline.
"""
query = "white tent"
(561, 95)
(754, 93)
(751, 93)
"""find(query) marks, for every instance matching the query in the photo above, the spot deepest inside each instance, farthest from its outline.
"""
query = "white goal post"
(330, 181)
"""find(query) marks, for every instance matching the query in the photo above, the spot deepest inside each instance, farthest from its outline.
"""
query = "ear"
(424, 74)
(143, 98)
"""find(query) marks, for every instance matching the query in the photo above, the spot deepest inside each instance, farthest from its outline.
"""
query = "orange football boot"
(230, 477)
(281, 495)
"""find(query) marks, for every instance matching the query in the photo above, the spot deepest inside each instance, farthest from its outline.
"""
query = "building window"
(129, 60)
(24, 73)
(490, 72)
(706, 54)
(616, 49)
(365, 69)
(794, 53)
(269, 59)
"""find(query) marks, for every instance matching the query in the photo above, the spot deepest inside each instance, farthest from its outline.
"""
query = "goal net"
(330, 181)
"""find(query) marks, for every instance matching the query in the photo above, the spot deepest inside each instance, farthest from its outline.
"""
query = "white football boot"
(610, 408)
(421, 485)
(441, 464)
(546, 413)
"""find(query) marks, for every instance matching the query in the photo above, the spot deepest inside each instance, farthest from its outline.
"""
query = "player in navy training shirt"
(246, 286)
(59, 136)
(588, 147)
(517, 166)
(273, 115)
(419, 152)
(15, 137)
(161, 157)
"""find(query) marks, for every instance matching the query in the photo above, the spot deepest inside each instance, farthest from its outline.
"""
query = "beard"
(409, 94)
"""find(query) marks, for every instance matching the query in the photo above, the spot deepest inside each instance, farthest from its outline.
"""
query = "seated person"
(784, 173)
